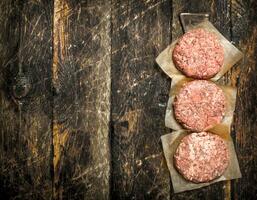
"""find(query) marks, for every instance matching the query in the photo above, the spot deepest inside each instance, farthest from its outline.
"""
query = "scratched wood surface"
(25, 150)
(83, 101)
(140, 31)
(81, 78)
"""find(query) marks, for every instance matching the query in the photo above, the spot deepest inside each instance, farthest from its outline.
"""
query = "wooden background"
(83, 101)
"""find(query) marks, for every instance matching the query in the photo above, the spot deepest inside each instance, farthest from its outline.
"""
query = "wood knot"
(21, 86)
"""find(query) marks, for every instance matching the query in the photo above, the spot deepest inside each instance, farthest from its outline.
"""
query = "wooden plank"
(25, 124)
(140, 31)
(81, 77)
(244, 34)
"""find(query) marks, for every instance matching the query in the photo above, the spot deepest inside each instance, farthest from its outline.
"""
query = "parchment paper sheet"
(170, 143)
(223, 127)
(231, 54)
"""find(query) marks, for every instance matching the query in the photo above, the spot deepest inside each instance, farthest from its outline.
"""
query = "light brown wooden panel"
(81, 77)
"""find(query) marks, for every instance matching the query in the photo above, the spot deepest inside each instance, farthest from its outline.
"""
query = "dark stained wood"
(140, 31)
(82, 105)
(81, 77)
(244, 34)
(25, 142)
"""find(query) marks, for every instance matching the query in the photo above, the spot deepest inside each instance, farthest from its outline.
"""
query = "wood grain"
(140, 31)
(81, 77)
(90, 125)
(244, 34)
(25, 149)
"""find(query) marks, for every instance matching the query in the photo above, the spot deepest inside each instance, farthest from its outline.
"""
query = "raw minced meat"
(199, 105)
(201, 157)
(198, 54)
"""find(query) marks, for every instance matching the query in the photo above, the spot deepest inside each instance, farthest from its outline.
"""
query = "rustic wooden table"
(83, 101)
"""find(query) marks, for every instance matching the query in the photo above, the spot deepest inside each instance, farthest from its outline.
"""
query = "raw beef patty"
(199, 105)
(198, 54)
(201, 157)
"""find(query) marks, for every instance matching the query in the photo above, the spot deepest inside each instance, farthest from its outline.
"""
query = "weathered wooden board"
(25, 149)
(140, 31)
(244, 34)
(94, 83)
(81, 78)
